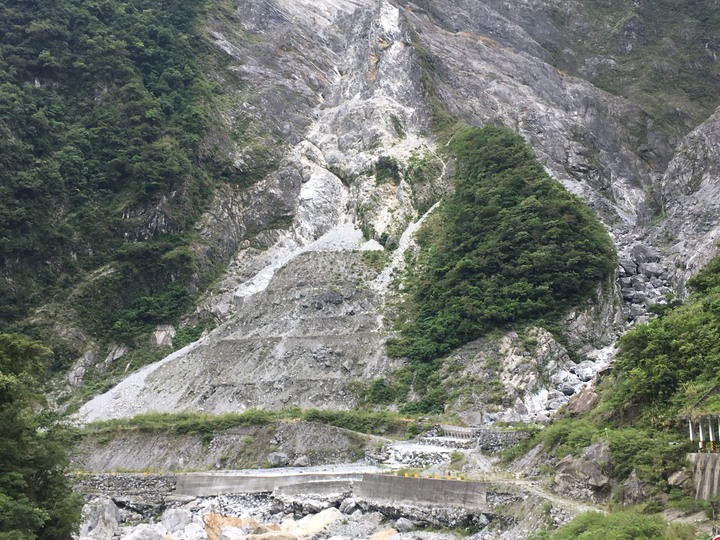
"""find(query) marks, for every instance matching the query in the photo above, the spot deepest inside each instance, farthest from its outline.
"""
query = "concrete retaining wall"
(201, 485)
(401, 490)
(706, 479)
(394, 489)
(325, 487)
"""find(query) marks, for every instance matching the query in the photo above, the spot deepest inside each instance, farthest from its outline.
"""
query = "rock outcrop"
(585, 476)
(101, 518)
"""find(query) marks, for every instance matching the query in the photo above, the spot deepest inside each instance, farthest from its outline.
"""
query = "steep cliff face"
(344, 96)
(690, 197)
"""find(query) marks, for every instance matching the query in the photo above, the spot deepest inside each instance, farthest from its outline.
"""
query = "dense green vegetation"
(510, 246)
(625, 525)
(104, 167)
(663, 54)
(36, 501)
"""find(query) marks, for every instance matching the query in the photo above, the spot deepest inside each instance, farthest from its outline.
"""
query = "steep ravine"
(344, 86)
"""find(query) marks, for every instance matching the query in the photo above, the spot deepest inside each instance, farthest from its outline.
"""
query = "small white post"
(692, 438)
(711, 432)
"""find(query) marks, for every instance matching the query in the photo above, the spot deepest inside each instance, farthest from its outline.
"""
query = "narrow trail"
(572, 506)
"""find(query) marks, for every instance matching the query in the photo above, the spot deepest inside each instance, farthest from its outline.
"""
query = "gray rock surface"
(100, 519)
(302, 461)
(678, 478)
(234, 448)
(404, 525)
(349, 505)
(583, 401)
(144, 532)
(278, 459)
(633, 490)
(691, 199)
(176, 519)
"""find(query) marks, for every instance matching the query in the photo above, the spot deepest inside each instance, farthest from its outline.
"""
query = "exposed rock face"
(576, 129)
(299, 342)
(583, 401)
(690, 194)
(678, 478)
(633, 491)
(341, 95)
(163, 336)
(585, 477)
(520, 377)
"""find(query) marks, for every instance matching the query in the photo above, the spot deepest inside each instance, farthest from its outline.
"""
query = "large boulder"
(145, 532)
(633, 491)
(194, 531)
(302, 461)
(678, 478)
(583, 401)
(233, 533)
(176, 519)
(313, 524)
(349, 505)
(101, 518)
(585, 476)
(404, 525)
(216, 523)
(278, 459)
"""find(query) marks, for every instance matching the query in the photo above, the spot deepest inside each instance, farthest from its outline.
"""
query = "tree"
(36, 500)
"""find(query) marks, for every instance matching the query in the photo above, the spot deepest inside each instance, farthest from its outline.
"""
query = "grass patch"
(624, 525)
(193, 423)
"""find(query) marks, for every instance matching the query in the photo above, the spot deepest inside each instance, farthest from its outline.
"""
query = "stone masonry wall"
(494, 441)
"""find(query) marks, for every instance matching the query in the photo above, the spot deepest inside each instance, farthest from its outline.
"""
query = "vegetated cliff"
(348, 101)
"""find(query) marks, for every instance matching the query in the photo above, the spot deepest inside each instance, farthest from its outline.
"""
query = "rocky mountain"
(345, 87)
(352, 98)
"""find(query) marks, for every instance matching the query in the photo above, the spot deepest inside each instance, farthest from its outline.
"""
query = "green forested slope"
(665, 370)
(510, 246)
(668, 365)
(103, 113)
